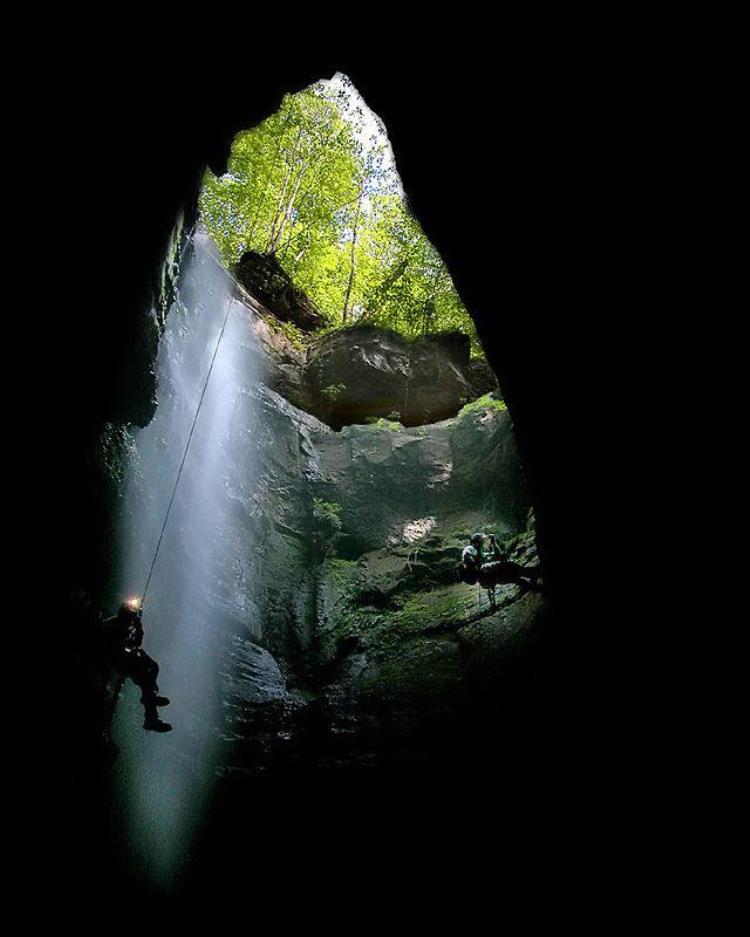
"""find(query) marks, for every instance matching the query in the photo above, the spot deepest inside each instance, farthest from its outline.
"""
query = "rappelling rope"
(185, 453)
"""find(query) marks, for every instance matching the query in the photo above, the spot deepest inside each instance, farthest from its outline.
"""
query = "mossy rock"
(489, 402)
(442, 609)
(426, 669)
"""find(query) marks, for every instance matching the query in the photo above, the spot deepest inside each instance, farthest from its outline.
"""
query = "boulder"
(358, 374)
(267, 280)
(364, 373)
(481, 377)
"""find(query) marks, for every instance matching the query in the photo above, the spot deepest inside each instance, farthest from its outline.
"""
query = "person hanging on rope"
(124, 632)
(492, 568)
(125, 635)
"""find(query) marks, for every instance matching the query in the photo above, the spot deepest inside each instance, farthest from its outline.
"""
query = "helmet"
(476, 539)
(130, 609)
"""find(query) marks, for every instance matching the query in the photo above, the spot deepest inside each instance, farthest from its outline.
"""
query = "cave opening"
(305, 608)
(535, 167)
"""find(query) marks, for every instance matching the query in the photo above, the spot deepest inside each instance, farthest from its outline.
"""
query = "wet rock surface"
(364, 642)
(351, 639)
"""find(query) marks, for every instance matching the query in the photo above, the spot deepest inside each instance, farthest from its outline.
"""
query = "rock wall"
(351, 539)
(337, 549)
(368, 372)
(381, 484)
(364, 373)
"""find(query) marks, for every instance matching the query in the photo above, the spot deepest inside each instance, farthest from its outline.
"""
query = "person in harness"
(124, 636)
(492, 568)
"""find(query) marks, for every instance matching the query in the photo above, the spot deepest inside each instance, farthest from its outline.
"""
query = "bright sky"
(368, 128)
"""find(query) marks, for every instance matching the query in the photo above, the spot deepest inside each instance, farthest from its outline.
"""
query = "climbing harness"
(185, 453)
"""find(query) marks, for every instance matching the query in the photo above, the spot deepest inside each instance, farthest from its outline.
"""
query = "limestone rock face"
(366, 488)
(366, 372)
(336, 558)
(394, 484)
(381, 494)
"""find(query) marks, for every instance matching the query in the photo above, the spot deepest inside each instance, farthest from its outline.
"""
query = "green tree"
(310, 186)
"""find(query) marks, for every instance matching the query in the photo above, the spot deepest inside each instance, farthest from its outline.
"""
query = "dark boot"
(152, 722)
(156, 700)
(156, 725)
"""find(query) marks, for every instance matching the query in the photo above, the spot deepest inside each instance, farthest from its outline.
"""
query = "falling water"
(195, 601)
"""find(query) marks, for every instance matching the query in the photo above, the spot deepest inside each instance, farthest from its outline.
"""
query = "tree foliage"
(316, 186)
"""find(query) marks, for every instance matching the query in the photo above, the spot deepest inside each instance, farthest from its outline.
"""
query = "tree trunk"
(390, 280)
(429, 310)
(272, 235)
(280, 208)
(262, 199)
(290, 207)
(349, 285)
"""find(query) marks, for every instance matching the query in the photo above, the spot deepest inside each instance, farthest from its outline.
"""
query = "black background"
(522, 160)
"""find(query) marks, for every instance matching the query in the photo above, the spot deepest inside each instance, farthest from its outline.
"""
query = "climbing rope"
(185, 454)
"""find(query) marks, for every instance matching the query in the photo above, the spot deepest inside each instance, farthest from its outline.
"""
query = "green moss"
(290, 331)
(383, 423)
(342, 572)
(382, 631)
(326, 524)
(342, 567)
(333, 391)
(404, 608)
(437, 609)
(424, 667)
(487, 402)
(323, 508)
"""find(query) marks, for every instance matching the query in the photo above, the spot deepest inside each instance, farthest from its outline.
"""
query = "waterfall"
(198, 597)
